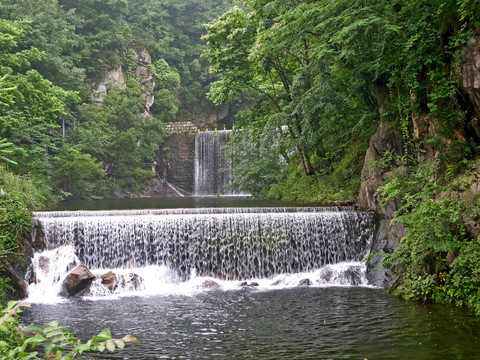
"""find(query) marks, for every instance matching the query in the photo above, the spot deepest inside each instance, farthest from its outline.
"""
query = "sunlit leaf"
(110, 345)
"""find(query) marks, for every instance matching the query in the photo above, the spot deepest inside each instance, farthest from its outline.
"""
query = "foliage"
(77, 173)
(435, 260)
(119, 137)
(15, 221)
(52, 30)
(167, 81)
(55, 340)
(32, 105)
(6, 148)
(30, 192)
(305, 95)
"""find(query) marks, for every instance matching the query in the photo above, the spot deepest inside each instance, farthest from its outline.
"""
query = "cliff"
(389, 144)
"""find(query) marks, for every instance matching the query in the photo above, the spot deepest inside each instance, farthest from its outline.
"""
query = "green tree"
(78, 174)
(122, 139)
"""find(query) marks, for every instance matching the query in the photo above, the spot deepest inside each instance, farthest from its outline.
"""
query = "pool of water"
(169, 203)
(295, 323)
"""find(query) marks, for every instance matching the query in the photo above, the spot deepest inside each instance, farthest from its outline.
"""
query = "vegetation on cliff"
(54, 56)
(321, 77)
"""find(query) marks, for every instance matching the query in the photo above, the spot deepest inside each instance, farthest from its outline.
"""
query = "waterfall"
(211, 165)
(222, 243)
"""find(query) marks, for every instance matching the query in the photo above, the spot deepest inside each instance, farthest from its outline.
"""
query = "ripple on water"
(302, 323)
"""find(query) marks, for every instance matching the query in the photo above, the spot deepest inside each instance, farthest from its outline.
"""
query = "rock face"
(77, 282)
(376, 169)
(114, 77)
(471, 75)
(144, 74)
(387, 140)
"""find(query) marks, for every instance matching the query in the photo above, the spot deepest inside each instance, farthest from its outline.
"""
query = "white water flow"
(165, 251)
(211, 166)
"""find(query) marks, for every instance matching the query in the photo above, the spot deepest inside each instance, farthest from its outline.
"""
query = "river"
(338, 316)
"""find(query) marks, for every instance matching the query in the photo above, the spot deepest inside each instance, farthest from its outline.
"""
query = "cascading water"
(226, 244)
(211, 165)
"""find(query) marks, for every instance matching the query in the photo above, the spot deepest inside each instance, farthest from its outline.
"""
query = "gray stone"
(77, 282)
(209, 284)
(305, 282)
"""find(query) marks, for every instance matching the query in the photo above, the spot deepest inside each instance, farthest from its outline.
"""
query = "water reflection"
(169, 203)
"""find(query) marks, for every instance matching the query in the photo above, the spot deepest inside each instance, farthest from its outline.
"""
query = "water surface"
(295, 323)
(170, 203)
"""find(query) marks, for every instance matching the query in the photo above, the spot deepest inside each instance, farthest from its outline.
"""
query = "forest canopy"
(54, 55)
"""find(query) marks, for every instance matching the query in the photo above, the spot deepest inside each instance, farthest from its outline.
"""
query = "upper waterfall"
(211, 165)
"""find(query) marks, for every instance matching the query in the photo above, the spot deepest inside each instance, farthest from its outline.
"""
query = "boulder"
(109, 281)
(305, 282)
(209, 284)
(77, 282)
(19, 285)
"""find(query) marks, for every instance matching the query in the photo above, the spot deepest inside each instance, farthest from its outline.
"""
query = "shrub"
(17, 342)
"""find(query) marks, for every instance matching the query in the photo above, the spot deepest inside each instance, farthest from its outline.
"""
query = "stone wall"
(175, 161)
(180, 127)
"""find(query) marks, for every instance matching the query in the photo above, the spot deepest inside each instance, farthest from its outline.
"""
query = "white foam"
(162, 281)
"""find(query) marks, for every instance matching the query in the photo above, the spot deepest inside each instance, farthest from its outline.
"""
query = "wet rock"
(347, 276)
(19, 285)
(77, 282)
(305, 282)
(128, 282)
(44, 264)
(210, 284)
(109, 281)
(30, 275)
(243, 284)
(38, 236)
(253, 283)
(326, 275)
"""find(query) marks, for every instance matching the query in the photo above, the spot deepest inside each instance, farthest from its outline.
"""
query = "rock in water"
(109, 280)
(209, 284)
(304, 282)
(77, 282)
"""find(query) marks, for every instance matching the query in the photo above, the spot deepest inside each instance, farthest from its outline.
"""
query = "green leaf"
(30, 356)
(81, 348)
(34, 341)
(49, 348)
(105, 334)
(34, 329)
(3, 344)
